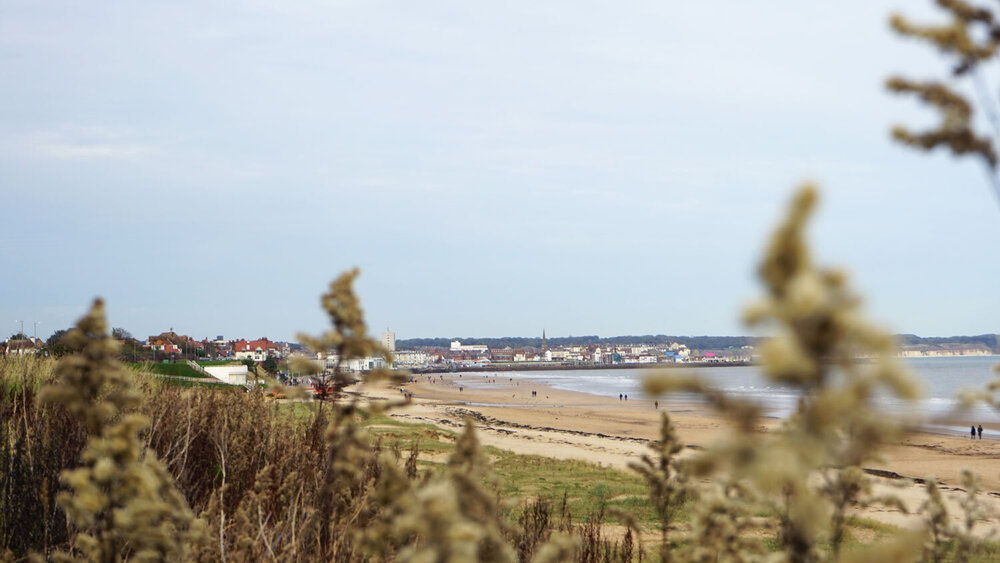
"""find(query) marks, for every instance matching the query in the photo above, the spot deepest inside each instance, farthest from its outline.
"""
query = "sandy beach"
(609, 431)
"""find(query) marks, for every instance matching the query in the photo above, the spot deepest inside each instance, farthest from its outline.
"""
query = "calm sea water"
(941, 379)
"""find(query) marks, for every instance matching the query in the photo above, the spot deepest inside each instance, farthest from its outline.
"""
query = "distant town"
(170, 347)
(463, 356)
(239, 361)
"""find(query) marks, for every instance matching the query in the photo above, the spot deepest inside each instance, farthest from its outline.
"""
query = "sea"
(941, 380)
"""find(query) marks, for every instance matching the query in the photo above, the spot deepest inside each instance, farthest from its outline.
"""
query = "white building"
(258, 354)
(357, 365)
(360, 365)
(234, 374)
(410, 358)
(23, 346)
(457, 346)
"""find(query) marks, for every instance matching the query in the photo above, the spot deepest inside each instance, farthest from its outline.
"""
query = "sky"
(493, 168)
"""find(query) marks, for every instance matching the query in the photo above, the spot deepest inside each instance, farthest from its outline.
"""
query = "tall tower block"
(389, 340)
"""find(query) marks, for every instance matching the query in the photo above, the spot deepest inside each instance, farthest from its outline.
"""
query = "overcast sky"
(493, 168)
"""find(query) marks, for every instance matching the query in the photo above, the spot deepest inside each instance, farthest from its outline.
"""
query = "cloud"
(86, 144)
(67, 151)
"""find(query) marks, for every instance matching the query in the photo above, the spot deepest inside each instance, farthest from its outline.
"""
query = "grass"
(182, 375)
(18, 371)
(880, 529)
(205, 384)
(175, 370)
(984, 551)
(588, 487)
(429, 439)
(863, 532)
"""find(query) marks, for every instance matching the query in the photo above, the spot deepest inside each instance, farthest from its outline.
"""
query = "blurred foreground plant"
(970, 39)
(809, 471)
(329, 514)
(451, 516)
(122, 501)
(668, 486)
(946, 540)
(347, 340)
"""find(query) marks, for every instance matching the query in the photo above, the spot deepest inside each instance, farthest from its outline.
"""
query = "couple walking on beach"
(972, 430)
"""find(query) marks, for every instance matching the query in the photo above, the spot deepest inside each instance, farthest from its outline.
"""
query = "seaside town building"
(257, 350)
(505, 355)
(354, 365)
(459, 355)
(389, 340)
(22, 346)
(457, 346)
(410, 358)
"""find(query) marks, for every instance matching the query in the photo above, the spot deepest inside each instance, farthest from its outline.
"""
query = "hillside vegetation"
(175, 370)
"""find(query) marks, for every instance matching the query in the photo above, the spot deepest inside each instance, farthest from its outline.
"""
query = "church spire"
(545, 345)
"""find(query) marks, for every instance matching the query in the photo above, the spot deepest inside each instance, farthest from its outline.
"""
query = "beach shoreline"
(612, 432)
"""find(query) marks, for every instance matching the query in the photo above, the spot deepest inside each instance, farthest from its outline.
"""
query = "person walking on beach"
(619, 396)
(973, 432)
(980, 430)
